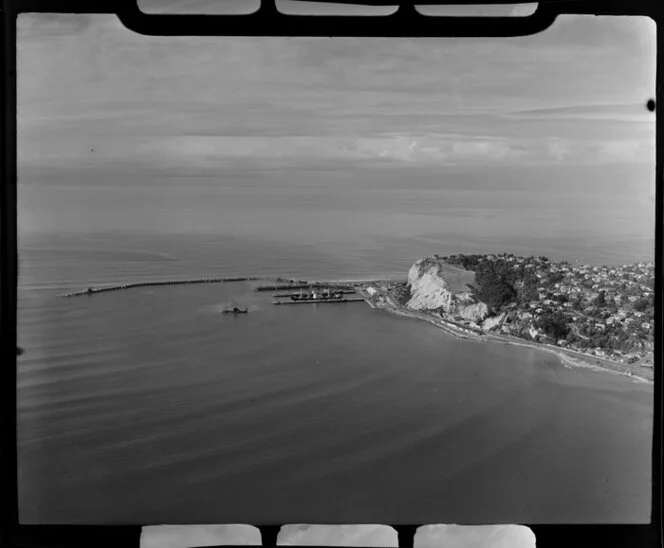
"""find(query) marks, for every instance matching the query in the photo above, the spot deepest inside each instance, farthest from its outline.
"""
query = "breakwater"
(279, 284)
(119, 287)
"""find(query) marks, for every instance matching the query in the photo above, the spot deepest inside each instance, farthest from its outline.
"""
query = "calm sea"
(151, 406)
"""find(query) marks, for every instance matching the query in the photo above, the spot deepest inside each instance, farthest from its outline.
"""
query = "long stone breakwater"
(119, 287)
(279, 284)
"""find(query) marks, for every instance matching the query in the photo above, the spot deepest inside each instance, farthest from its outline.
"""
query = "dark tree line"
(497, 281)
(556, 277)
(642, 304)
(529, 285)
(554, 324)
(494, 283)
(468, 262)
(402, 294)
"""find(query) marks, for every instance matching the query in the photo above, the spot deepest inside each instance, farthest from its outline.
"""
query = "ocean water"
(151, 406)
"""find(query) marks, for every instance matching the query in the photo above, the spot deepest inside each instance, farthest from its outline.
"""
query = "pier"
(285, 295)
(306, 285)
(321, 301)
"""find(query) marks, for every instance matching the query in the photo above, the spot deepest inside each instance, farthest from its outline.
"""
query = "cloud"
(86, 83)
(421, 150)
(636, 112)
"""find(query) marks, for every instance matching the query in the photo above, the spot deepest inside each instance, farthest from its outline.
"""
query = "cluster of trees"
(600, 300)
(555, 277)
(554, 324)
(613, 337)
(528, 287)
(558, 326)
(468, 262)
(498, 282)
(600, 303)
(494, 283)
(402, 294)
(649, 314)
(642, 304)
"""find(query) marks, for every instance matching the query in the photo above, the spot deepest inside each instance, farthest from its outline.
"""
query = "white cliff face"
(428, 290)
(431, 291)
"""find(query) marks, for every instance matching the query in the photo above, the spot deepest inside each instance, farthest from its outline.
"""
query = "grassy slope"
(456, 278)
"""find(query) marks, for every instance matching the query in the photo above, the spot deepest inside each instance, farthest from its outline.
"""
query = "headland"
(589, 316)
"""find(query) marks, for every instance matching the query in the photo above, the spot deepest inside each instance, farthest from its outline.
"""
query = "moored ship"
(324, 295)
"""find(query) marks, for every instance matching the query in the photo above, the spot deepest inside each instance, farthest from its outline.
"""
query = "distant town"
(603, 311)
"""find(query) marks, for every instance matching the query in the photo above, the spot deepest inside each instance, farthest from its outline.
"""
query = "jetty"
(306, 285)
(321, 301)
(286, 295)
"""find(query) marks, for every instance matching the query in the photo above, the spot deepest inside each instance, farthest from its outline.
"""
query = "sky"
(95, 95)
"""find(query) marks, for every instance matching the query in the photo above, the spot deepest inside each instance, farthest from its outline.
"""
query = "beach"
(568, 357)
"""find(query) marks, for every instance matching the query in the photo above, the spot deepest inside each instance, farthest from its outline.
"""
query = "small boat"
(301, 296)
(236, 310)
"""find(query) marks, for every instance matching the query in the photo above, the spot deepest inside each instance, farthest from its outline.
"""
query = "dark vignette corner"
(268, 22)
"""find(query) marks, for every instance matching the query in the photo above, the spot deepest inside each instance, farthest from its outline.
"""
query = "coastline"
(567, 357)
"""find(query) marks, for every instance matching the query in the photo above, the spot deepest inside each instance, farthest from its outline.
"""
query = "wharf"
(321, 301)
(282, 287)
(284, 295)
(306, 285)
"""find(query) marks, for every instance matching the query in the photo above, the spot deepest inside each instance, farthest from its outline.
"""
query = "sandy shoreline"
(569, 358)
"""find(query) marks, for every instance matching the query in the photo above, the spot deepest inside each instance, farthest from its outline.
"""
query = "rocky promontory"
(436, 285)
(601, 315)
